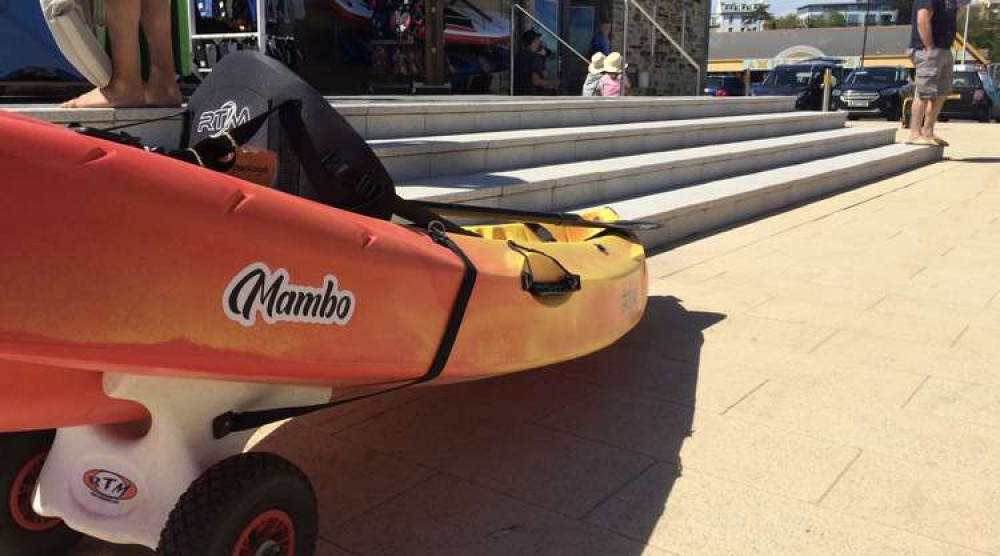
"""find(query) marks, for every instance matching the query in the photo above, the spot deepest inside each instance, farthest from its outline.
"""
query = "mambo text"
(256, 289)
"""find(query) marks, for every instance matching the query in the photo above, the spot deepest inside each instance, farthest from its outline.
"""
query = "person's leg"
(933, 109)
(945, 76)
(161, 88)
(917, 111)
(125, 88)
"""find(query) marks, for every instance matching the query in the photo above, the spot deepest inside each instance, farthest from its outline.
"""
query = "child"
(613, 84)
(591, 87)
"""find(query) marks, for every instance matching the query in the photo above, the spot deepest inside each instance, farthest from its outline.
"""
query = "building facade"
(734, 17)
(657, 67)
(877, 12)
(737, 53)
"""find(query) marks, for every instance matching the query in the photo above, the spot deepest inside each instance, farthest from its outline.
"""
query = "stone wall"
(649, 52)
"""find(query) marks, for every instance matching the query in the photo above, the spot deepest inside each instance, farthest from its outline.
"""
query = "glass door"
(580, 26)
(547, 11)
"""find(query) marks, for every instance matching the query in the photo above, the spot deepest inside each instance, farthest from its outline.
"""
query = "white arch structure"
(794, 54)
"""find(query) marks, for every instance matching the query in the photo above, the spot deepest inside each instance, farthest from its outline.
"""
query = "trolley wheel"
(255, 504)
(22, 531)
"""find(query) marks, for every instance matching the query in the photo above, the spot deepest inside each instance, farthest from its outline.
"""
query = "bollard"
(826, 90)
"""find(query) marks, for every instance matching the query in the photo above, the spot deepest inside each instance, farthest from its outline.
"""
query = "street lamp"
(864, 40)
(965, 34)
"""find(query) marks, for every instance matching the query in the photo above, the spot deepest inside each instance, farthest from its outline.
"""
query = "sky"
(782, 7)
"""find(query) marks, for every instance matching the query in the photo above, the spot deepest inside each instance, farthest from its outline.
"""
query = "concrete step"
(576, 184)
(388, 117)
(418, 157)
(717, 204)
(381, 120)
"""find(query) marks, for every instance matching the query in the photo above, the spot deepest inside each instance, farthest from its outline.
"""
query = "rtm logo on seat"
(225, 117)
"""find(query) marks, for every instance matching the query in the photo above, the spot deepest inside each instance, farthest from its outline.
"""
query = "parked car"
(872, 91)
(724, 86)
(974, 96)
(803, 81)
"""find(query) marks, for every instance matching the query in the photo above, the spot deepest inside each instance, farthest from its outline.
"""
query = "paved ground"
(824, 381)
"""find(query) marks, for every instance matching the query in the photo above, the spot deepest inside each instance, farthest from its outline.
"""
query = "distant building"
(760, 52)
(878, 12)
(735, 17)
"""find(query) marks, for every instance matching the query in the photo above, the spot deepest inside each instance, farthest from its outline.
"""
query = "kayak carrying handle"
(569, 283)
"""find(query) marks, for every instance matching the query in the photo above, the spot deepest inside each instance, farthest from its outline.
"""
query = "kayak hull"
(118, 260)
(42, 397)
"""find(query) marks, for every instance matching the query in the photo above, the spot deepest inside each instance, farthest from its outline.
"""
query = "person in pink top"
(614, 83)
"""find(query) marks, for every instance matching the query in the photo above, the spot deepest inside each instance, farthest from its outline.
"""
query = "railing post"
(827, 82)
(625, 37)
(513, 27)
(261, 26)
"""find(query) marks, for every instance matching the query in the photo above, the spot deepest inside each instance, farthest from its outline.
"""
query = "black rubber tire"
(16, 451)
(219, 505)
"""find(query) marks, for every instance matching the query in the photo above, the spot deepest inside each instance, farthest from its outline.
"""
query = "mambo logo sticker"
(225, 117)
(109, 486)
(258, 290)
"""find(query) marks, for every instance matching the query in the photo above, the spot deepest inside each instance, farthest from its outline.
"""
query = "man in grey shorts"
(931, 38)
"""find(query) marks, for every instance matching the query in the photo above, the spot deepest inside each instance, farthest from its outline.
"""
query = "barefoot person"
(933, 33)
(126, 88)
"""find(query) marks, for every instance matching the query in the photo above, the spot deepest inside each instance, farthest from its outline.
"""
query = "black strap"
(425, 218)
(149, 121)
(569, 283)
(542, 232)
(513, 215)
(231, 422)
(341, 187)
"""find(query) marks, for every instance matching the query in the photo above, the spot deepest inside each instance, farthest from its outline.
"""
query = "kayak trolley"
(167, 483)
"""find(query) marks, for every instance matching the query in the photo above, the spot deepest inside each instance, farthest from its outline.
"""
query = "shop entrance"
(579, 24)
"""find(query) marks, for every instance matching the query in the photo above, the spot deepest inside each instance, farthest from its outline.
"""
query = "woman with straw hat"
(614, 83)
(595, 71)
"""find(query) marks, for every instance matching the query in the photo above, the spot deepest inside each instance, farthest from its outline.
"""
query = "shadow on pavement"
(978, 159)
(575, 459)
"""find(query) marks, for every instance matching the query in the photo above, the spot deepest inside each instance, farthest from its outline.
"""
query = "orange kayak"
(116, 259)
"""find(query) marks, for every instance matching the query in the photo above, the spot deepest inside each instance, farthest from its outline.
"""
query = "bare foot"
(107, 97)
(162, 90)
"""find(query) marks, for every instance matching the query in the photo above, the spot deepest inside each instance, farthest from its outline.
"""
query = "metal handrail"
(555, 35)
(260, 33)
(666, 35)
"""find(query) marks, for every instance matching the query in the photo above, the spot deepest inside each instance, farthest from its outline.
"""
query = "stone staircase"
(693, 164)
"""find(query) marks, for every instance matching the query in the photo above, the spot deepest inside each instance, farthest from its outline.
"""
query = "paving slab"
(772, 460)
(349, 478)
(707, 515)
(828, 415)
(921, 499)
(449, 517)
(975, 403)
